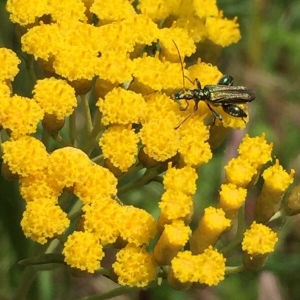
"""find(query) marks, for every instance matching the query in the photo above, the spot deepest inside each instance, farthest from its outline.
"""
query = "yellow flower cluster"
(110, 71)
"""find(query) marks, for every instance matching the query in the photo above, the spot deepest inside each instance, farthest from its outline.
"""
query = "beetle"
(222, 94)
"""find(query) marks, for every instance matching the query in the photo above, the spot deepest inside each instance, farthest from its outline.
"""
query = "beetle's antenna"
(181, 63)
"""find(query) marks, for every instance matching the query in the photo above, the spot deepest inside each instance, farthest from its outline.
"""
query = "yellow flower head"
(259, 239)
(101, 218)
(75, 63)
(185, 267)
(120, 145)
(194, 148)
(173, 238)
(150, 72)
(156, 10)
(20, 115)
(115, 66)
(256, 149)
(42, 41)
(183, 180)
(83, 251)
(239, 171)
(134, 266)
(184, 42)
(25, 12)
(136, 225)
(206, 8)
(160, 139)
(222, 31)
(67, 166)
(113, 10)
(277, 180)
(55, 96)
(122, 107)
(95, 181)
(67, 11)
(211, 265)
(206, 73)
(9, 64)
(231, 199)
(211, 225)
(175, 204)
(43, 220)
(38, 185)
(160, 106)
(25, 155)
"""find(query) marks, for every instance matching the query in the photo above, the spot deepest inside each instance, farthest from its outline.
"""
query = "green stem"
(93, 137)
(147, 176)
(133, 169)
(233, 270)
(239, 234)
(45, 138)
(87, 113)
(61, 141)
(72, 128)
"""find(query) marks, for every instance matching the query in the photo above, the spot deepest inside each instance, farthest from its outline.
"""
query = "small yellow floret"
(83, 251)
(256, 149)
(20, 115)
(120, 145)
(95, 181)
(67, 166)
(206, 8)
(185, 267)
(25, 155)
(110, 11)
(206, 73)
(101, 218)
(160, 139)
(183, 41)
(38, 185)
(211, 265)
(176, 205)
(211, 225)
(122, 107)
(25, 12)
(193, 145)
(43, 220)
(231, 199)
(42, 41)
(115, 66)
(134, 266)
(173, 238)
(160, 106)
(277, 179)
(156, 10)
(259, 239)
(229, 29)
(183, 180)
(150, 72)
(239, 171)
(66, 11)
(9, 64)
(55, 96)
(136, 225)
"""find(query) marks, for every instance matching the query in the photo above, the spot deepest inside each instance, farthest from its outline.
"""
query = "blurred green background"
(267, 59)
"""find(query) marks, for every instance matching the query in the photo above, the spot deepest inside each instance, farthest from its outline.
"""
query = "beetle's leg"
(190, 114)
(187, 105)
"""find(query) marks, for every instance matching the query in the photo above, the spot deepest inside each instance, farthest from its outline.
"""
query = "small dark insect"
(222, 94)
